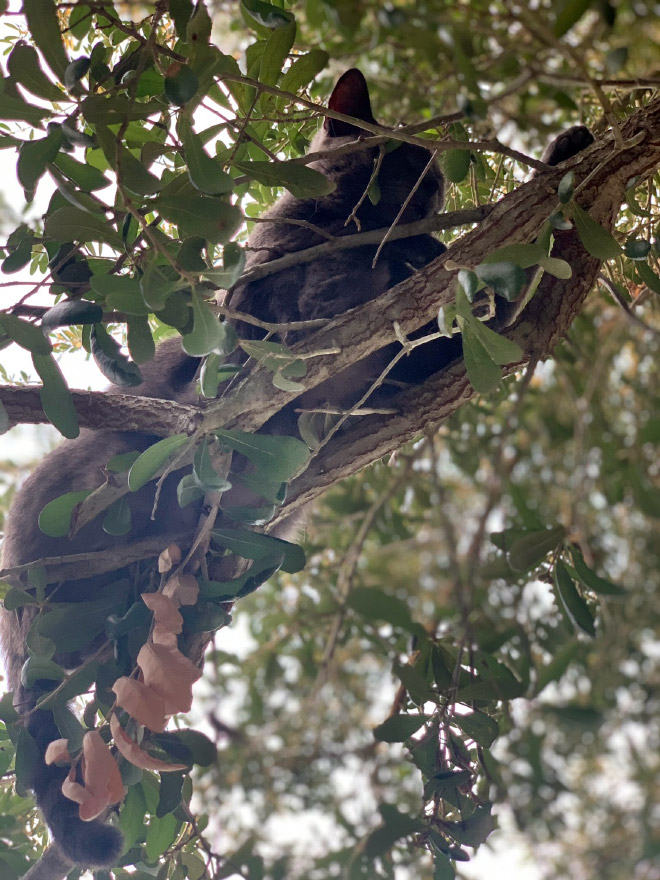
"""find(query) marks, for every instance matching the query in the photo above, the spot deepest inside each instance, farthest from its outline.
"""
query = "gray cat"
(321, 289)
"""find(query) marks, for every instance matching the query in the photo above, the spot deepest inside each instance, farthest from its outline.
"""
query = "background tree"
(487, 598)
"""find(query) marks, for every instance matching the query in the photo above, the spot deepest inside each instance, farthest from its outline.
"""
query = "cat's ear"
(349, 96)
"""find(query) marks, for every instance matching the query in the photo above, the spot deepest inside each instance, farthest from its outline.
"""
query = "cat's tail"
(85, 844)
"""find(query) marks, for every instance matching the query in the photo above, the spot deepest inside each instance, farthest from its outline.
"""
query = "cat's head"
(400, 171)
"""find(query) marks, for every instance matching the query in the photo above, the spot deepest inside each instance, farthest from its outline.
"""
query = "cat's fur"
(323, 288)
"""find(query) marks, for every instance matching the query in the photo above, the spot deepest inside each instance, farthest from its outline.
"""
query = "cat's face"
(401, 169)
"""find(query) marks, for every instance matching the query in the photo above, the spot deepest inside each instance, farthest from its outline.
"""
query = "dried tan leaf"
(58, 752)
(165, 611)
(170, 674)
(182, 588)
(141, 702)
(170, 557)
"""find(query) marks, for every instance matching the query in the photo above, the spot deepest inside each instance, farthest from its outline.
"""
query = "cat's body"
(319, 289)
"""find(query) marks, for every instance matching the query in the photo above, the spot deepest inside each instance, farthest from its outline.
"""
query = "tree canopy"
(471, 625)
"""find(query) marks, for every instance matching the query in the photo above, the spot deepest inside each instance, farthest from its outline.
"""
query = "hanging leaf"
(41, 16)
(590, 579)
(597, 241)
(303, 70)
(24, 68)
(637, 248)
(34, 156)
(117, 520)
(278, 458)
(207, 333)
(276, 51)
(301, 181)
(16, 108)
(25, 334)
(648, 277)
(571, 602)
(205, 173)
(75, 71)
(120, 292)
(147, 465)
(456, 164)
(483, 372)
(114, 365)
(181, 84)
(233, 261)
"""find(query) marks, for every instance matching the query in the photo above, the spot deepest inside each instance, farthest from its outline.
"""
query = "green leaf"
(72, 224)
(475, 830)
(533, 548)
(72, 311)
(637, 248)
(447, 782)
(16, 108)
(69, 726)
(120, 292)
(648, 277)
(597, 241)
(55, 517)
(28, 758)
(301, 181)
(480, 727)
(266, 14)
(456, 164)
(152, 459)
(275, 54)
(571, 602)
(590, 579)
(117, 520)
(56, 398)
(233, 261)
(108, 357)
(17, 598)
(483, 373)
(304, 69)
(502, 350)
(208, 332)
(38, 668)
(398, 728)
(132, 813)
(205, 173)
(568, 13)
(133, 175)
(201, 749)
(171, 786)
(42, 20)
(470, 283)
(505, 278)
(556, 267)
(73, 625)
(181, 84)
(252, 545)
(139, 339)
(24, 68)
(523, 255)
(203, 470)
(213, 220)
(25, 334)
(161, 833)
(565, 188)
(181, 12)
(375, 604)
(278, 458)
